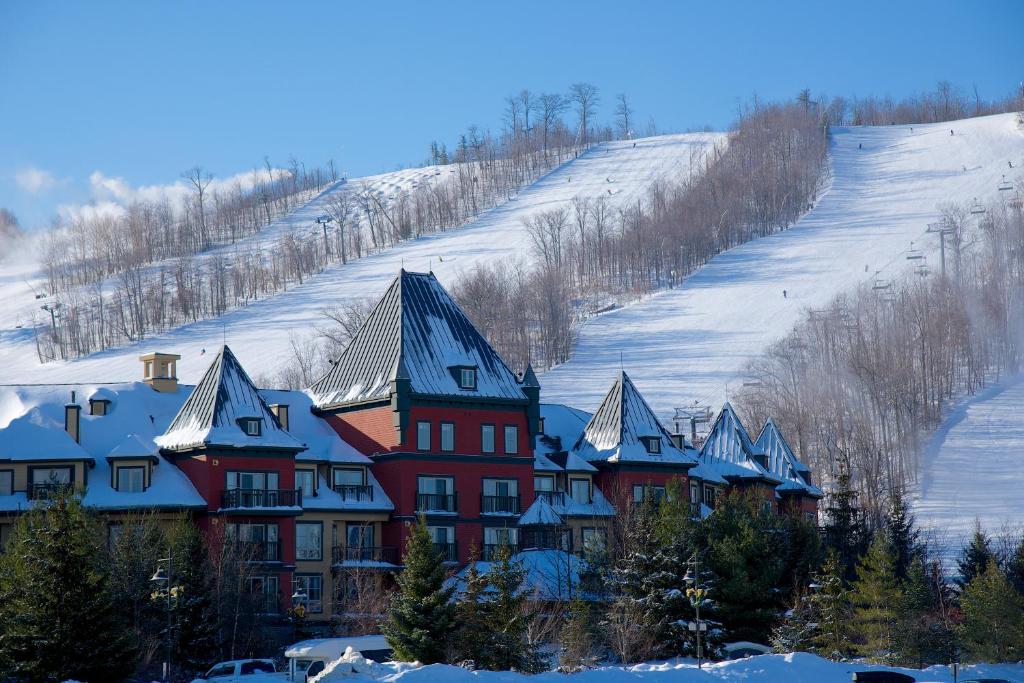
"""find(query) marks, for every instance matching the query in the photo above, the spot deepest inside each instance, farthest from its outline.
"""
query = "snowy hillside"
(692, 343)
(259, 334)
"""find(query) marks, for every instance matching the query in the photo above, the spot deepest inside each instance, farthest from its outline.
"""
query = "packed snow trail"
(260, 333)
(693, 342)
(974, 468)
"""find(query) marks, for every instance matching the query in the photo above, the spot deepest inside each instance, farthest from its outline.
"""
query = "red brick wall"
(468, 422)
(617, 485)
(369, 431)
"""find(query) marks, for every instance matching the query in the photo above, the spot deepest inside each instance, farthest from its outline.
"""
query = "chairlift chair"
(914, 254)
(1005, 185)
(976, 207)
(881, 284)
(922, 269)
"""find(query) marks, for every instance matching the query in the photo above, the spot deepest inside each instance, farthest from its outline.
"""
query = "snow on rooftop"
(35, 433)
(782, 462)
(327, 498)
(729, 452)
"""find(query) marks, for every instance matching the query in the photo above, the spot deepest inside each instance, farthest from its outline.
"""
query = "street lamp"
(164, 578)
(697, 595)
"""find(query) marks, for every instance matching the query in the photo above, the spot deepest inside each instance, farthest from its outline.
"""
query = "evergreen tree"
(796, 631)
(507, 617)
(903, 536)
(472, 637)
(993, 622)
(976, 556)
(845, 530)
(875, 597)
(920, 637)
(830, 605)
(195, 625)
(58, 620)
(578, 639)
(1015, 568)
(421, 614)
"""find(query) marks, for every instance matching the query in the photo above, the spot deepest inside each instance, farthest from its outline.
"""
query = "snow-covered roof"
(323, 444)
(552, 509)
(417, 333)
(782, 462)
(550, 574)
(729, 452)
(133, 447)
(616, 432)
(36, 435)
(329, 649)
(327, 498)
(211, 415)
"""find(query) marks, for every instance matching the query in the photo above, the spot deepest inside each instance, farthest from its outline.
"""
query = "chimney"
(160, 371)
(280, 410)
(679, 440)
(72, 419)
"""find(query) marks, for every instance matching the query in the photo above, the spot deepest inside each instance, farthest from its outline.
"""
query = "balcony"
(259, 551)
(355, 493)
(449, 551)
(362, 555)
(546, 538)
(260, 498)
(46, 491)
(492, 551)
(499, 505)
(436, 502)
(553, 498)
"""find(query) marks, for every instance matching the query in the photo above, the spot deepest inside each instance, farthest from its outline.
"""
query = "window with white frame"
(306, 480)
(266, 588)
(487, 438)
(423, 435)
(544, 482)
(348, 476)
(448, 436)
(652, 444)
(312, 587)
(51, 475)
(593, 538)
(131, 479)
(642, 492)
(694, 492)
(253, 481)
(709, 496)
(309, 541)
(252, 426)
(511, 439)
(467, 378)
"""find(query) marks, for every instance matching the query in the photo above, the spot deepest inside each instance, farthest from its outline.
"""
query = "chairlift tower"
(941, 229)
(695, 414)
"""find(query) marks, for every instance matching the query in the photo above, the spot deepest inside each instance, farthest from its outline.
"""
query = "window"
(593, 539)
(312, 585)
(766, 507)
(642, 492)
(253, 481)
(131, 479)
(251, 426)
(423, 436)
(544, 482)
(266, 587)
(220, 669)
(51, 475)
(348, 476)
(652, 444)
(497, 535)
(810, 518)
(580, 491)
(487, 438)
(435, 494)
(694, 493)
(257, 542)
(6, 482)
(255, 667)
(438, 485)
(467, 378)
(511, 439)
(500, 496)
(359, 535)
(448, 436)
(149, 369)
(709, 496)
(309, 541)
(501, 487)
(306, 480)
(98, 406)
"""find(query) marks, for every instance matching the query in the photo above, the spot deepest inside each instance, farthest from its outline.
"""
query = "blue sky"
(140, 91)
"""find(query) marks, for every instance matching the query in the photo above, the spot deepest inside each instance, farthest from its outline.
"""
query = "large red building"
(418, 417)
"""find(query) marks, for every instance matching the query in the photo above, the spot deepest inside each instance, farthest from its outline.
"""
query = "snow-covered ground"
(259, 334)
(974, 468)
(790, 668)
(692, 343)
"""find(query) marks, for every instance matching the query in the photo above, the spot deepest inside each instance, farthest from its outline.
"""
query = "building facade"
(316, 489)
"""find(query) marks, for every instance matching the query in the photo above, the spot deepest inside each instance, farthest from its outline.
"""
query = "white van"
(309, 657)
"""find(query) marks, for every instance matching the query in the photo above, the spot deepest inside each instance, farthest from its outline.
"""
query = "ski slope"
(692, 343)
(260, 334)
(974, 468)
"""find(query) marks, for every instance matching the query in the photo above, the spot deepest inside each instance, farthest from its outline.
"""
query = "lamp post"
(696, 594)
(165, 578)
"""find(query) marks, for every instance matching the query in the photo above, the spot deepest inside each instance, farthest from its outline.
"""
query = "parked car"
(742, 648)
(881, 677)
(241, 670)
(309, 657)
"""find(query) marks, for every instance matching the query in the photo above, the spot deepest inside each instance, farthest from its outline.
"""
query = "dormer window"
(98, 406)
(467, 378)
(251, 426)
(652, 444)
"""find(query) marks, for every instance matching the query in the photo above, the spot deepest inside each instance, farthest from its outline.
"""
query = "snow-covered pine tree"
(507, 617)
(902, 534)
(975, 557)
(796, 631)
(58, 620)
(875, 597)
(195, 623)
(830, 604)
(634, 618)
(993, 625)
(471, 638)
(421, 615)
(845, 530)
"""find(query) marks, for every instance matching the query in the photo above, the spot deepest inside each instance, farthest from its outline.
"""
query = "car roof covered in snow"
(332, 648)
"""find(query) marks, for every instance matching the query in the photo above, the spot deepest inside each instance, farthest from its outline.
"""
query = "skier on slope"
(784, 294)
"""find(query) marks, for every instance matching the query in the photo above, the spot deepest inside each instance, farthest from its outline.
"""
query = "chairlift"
(922, 269)
(1005, 185)
(976, 207)
(914, 254)
(888, 298)
(881, 284)
(752, 382)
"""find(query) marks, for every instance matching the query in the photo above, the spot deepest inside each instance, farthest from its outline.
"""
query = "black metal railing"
(436, 502)
(261, 498)
(508, 505)
(492, 551)
(548, 538)
(449, 551)
(46, 491)
(552, 497)
(357, 493)
(356, 553)
(259, 551)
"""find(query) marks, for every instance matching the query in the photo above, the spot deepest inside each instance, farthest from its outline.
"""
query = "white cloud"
(34, 180)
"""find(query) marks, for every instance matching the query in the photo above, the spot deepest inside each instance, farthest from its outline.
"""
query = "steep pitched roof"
(416, 332)
(210, 416)
(729, 451)
(782, 462)
(616, 430)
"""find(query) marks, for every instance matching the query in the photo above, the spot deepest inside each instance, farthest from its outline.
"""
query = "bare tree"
(585, 97)
(200, 180)
(623, 116)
